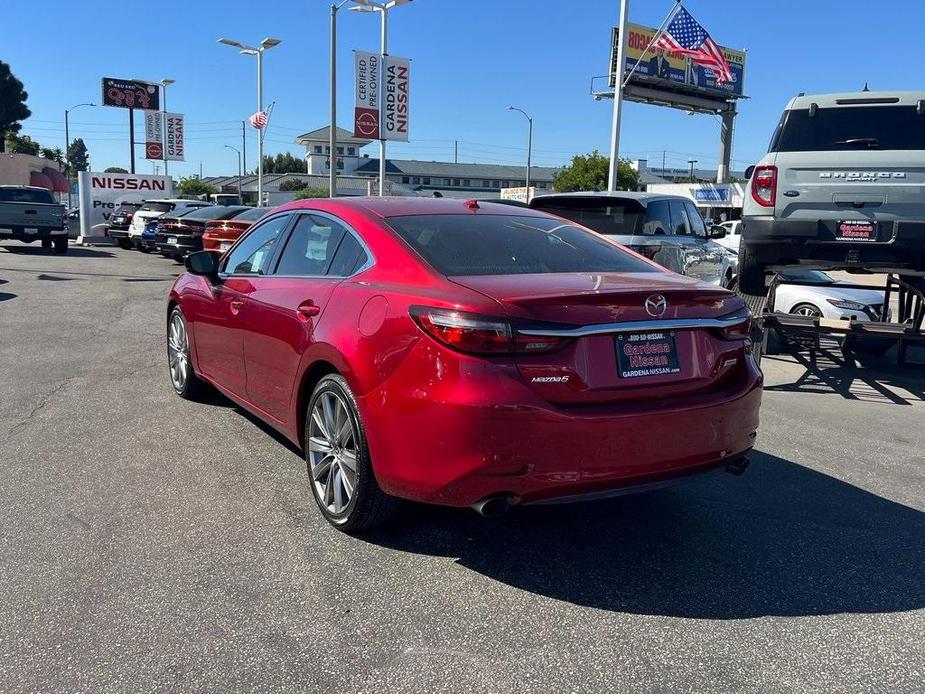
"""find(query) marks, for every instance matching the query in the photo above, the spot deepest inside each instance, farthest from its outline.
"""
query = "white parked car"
(155, 208)
(823, 297)
(733, 235)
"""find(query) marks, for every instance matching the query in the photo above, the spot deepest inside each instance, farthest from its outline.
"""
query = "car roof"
(856, 98)
(405, 206)
(175, 200)
(613, 195)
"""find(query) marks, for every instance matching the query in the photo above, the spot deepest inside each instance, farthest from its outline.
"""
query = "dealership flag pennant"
(366, 104)
(173, 139)
(154, 135)
(259, 119)
(686, 36)
(395, 98)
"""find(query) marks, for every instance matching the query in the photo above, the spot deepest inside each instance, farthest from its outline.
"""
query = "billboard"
(154, 135)
(366, 108)
(673, 71)
(101, 193)
(130, 94)
(173, 137)
(395, 98)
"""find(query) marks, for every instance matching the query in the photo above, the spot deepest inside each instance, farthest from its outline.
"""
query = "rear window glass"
(605, 216)
(214, 212)
(128, 206)
(252, 214)
(38, 197)
(851, 128)
(459, 245)
(157, 207)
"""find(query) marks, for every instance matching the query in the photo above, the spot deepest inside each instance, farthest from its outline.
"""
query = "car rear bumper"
(27, 234)
(118, 233)
(184, 245)
(900, 244)
(489, 434)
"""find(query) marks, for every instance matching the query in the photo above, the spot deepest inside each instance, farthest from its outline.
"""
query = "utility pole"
(725, 147)
(618, 96)
(243, 146)
(131, 138)
(455, 151)
(692, 162)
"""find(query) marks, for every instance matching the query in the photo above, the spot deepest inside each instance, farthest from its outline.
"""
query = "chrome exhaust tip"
(492, 506)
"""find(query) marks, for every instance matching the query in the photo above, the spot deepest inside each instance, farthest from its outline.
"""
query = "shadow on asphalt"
(781, 540)
(5, 296)
(72, 252)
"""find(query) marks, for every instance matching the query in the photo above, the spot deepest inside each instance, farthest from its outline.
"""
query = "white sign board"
(154, 135)
(521, 194)
(366, 105)
(101, 193)
(173, 140)
(395, 98)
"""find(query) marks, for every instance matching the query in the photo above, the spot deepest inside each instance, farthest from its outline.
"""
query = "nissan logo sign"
(656, 305)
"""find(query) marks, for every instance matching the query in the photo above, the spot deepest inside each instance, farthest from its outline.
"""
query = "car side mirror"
(204, 263)
(749, 171)
(717, 232)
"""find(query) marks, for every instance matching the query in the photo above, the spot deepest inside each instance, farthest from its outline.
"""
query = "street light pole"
(165, 83)
(529, 144)
(240, 199)
(67, 147)
(257, 51)
(618, 96)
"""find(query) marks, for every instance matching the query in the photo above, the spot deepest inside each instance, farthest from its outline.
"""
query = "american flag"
(685, 35)
(259, 119)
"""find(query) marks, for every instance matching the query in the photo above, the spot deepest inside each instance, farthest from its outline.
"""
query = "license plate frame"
(224, 246)
(647, 353)
(172, 240)
(30, 230)
(856, 231)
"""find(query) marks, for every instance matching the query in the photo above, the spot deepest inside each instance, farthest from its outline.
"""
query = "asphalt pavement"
(152, 544)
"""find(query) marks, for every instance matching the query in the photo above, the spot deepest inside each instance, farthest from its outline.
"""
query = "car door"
(675, 252)
(287, 306)
(221, 319)
(710, 255)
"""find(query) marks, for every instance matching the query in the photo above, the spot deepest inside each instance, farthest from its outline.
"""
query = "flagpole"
(618, 97)
(652, 42)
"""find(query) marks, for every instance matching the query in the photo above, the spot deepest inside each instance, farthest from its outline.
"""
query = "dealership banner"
(395, 98)
(657, 67)
(154, 135)
(366, 109)
(173, 136)
(101, 193)
(121, 93)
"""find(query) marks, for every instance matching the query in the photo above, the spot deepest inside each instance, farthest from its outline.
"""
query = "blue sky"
(469, 61)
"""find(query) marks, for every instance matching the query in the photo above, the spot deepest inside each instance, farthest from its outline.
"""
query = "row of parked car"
(177, 227)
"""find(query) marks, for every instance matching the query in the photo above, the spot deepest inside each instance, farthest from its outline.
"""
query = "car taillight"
(477, 334)
(764, 185)
(739, 330)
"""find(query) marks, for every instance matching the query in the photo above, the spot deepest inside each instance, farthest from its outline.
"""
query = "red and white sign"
(173, 137)
(154, 135)
(395, 98)
(366, 110)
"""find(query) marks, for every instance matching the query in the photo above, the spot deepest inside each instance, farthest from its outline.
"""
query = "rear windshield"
(252, 214)
(608, 216)
(38, 197)
(128, 206)
(479, 244)
(850, 128)
(157, 207)
(216, 212)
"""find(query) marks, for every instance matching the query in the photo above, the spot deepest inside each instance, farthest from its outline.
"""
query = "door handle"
(236, 306)
(307, 310)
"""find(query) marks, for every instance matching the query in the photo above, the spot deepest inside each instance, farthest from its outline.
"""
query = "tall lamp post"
(383, 8)
(239, 170)
(529, 144)
(67, 146)
(332, 135)
(164, 84)
(257, 51)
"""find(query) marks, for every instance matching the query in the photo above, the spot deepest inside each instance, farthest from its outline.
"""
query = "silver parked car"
(665, 228)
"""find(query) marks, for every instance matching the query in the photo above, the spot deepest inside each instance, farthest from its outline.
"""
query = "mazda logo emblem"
(656, 305)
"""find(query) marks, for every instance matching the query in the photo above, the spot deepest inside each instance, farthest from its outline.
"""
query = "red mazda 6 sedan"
(465, 353)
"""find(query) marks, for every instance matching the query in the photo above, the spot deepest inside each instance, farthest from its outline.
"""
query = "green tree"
(311, 193)
(115, 169)
(13, 107)
(193, 185)
(77, 156)
(590, 172)
(284, 162)
(293, 184)
(22, 145)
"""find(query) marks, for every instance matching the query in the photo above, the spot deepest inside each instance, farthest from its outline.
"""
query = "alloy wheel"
(806, 310)
(178, 352)
(332, 448)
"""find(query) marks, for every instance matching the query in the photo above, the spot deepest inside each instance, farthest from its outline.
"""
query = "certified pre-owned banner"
(395, 99)
(154, 135)
(366, 110)
(173, 129)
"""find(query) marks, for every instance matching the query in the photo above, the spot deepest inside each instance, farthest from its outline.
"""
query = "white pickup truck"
(30, 214)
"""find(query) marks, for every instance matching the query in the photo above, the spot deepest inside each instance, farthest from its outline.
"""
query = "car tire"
(124, 244)
(184, 380)
(335, 441)
(751, 273)
(807, 309)
(61, 243)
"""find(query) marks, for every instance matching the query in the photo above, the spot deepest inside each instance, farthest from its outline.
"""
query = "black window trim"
(298, 214)
(284, 233)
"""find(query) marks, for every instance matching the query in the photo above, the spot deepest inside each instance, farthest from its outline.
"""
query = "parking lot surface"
(153, 544)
